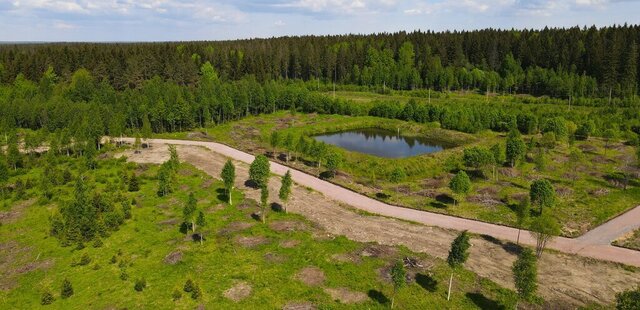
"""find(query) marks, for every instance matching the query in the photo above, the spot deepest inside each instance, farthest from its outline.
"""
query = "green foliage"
(542, 194)
(176, 295)
(166, 178)
(460, 184)
(398, 275)
(259, 170)
(515, 148)
(285, 188)
(189, 211)
(140, 285)
(189, 286)
(523, 210)
(628, 300)
(459, 254)
(275, 140)
(397, 175)
(228, 175)
(67, 289)
(334, 161)
(544, 228)
(585, 130)
(525, 274)
(46, 298)
(557, 126)
(133, 183)
(480, 157)
(196, 293)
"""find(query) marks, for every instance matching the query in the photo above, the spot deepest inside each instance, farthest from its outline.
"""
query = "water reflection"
(383, 143)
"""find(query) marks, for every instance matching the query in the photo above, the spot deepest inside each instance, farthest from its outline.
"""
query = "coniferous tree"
(189, 211)
(525, 274)
(67, 289)
(458, 255)
(202, 222)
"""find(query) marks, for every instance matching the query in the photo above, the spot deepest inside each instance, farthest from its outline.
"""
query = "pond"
(382, 143)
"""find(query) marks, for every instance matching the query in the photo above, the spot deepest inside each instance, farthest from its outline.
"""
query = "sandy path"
(564, 279)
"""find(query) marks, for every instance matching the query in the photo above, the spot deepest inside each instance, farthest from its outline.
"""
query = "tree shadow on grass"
(326, 175)
(508, 246)
(276, 207)
(445, 199)
(427, 282)
(382, 195)
(438, 205)
(378, 296)
(483, 302)
(222, 194)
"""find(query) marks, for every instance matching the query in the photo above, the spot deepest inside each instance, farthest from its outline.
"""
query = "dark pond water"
(382, 143)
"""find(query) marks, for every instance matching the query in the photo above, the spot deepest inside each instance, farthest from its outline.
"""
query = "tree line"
(559, 62)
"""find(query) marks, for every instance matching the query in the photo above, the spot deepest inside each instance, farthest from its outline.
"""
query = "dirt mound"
(238, 292)
(288, 244)
(235, 227)
(509, 172)
(312, 276)
(251, 241)
(299, 306)
(599, 192)
(433, 183)
(378, 251)
(288, 226)
(275, 258)
(199, 135)
(248, 204)
(207, 183)
(345, 295)
(562, 191)
(173, 258)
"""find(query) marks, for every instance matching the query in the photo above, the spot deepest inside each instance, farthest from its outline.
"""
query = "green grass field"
(33, 262)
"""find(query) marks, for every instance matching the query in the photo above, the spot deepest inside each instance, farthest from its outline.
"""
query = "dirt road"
(565, 279)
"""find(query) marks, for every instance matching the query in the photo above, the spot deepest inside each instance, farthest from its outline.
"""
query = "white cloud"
(340, 6)
(203, 10)
(63, 26)
(279, 23)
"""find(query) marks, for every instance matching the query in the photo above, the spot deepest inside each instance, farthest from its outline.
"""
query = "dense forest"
(81, 91)
(559, 62)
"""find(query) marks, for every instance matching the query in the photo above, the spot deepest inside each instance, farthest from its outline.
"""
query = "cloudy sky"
(175, 20)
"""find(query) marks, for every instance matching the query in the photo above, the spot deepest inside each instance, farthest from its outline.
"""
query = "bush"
(188, 286)
(176, 294)
(97, 243)
(84, 260)
(629, 300)
(46, 298)
(196, 293)
(67, 289)
(140, 285)
(124, 275)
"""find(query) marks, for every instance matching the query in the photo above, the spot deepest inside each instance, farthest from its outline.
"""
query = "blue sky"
(176, 20)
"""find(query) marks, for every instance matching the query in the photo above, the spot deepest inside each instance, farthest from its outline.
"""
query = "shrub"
(46, 298)
(84, 260)
(196, 293)
(188, 286)
(67, 289)
(140, 285)
(124, 275)
(176, 294)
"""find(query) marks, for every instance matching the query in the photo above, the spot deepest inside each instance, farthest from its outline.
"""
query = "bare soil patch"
(346, 296)
(251, 241)
(235, 227)
(16, 211)
(275, 258)
(378, 251)
(239, 291)
(173, 258)
(311, 276)
(288, 244)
